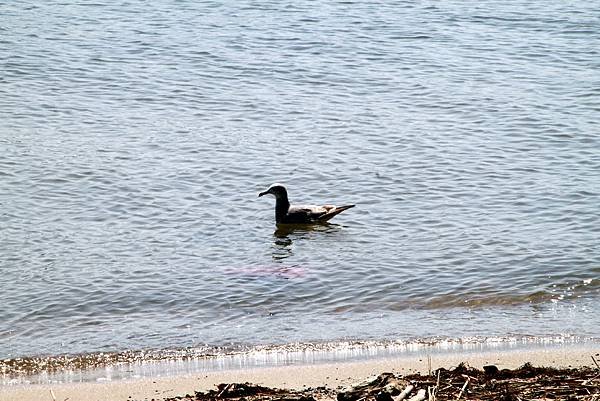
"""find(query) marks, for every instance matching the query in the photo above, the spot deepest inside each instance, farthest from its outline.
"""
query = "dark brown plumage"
(300, 214)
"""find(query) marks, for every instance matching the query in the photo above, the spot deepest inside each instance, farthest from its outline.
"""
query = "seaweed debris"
(461, 383)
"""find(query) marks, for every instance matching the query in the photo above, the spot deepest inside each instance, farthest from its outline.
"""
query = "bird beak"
(263, 193)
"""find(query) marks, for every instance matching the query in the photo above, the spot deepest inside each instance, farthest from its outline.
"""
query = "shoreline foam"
(135, 363)
(299, 376)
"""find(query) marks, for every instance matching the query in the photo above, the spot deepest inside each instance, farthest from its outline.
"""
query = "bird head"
(277, 190)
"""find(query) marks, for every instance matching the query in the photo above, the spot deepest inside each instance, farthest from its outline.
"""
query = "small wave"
(558, 292)
(144, 363)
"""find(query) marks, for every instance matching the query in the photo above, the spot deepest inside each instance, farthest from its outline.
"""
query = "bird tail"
(337, 210)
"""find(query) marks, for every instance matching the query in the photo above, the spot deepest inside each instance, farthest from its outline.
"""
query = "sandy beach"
(331, 375)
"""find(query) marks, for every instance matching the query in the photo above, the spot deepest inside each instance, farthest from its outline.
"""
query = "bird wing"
(314, 213)
(308, 212)
(333, 211)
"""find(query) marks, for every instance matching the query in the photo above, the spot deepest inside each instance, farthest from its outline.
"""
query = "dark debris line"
(461, 383)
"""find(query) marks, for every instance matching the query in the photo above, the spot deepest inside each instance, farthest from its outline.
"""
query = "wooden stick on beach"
(429, 364)
(434, 390)
(404, 393)
(227, 387)
(463, 388)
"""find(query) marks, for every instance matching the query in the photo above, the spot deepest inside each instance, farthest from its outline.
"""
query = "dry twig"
(593, 359)
(227, 387)
(429, 364)
(463, 388)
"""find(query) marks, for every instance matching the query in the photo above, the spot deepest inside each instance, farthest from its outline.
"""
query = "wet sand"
(331, 375)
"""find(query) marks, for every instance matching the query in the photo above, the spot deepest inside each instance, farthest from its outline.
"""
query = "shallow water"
(135, 138)
(105, 367)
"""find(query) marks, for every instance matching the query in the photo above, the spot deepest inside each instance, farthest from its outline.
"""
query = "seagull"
(300, 214)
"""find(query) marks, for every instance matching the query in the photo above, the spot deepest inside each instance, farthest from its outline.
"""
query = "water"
(135, 138)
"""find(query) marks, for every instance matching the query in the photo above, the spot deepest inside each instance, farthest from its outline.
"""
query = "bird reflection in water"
(286, 234)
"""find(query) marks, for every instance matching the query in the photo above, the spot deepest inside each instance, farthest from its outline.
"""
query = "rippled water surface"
(135, 138)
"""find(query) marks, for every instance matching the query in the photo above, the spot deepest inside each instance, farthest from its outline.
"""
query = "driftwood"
(382, 388)
(420, 396)
(404, 393)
